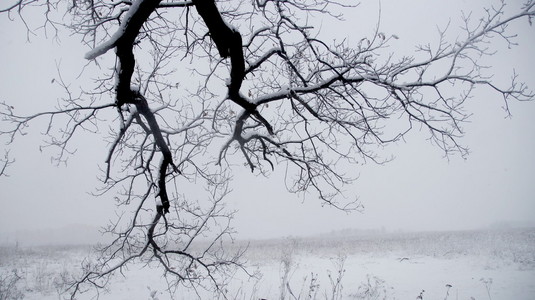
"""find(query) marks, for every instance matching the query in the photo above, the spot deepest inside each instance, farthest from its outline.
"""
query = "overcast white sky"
(419, 190)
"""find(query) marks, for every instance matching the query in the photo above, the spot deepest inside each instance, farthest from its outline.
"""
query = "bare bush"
(9, 289)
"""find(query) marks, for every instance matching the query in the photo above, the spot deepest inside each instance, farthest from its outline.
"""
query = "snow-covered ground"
(497, 264)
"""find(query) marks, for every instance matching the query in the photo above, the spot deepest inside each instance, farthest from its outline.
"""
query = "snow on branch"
(112, 42)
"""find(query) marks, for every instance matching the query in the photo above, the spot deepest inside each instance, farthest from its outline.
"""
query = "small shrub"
(336, 280)
(488, 283)
(8, 286)
(373, 289)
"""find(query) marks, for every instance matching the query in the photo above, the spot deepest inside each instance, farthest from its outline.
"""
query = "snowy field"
(497, 264)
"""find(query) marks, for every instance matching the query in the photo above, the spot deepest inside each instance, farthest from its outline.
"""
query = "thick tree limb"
(167, 160)
(228, 41)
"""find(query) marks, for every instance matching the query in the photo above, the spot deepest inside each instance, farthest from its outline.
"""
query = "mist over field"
(497, 263)
(78, 234)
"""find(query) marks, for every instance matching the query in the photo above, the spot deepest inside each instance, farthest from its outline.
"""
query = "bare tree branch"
(251, 81)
